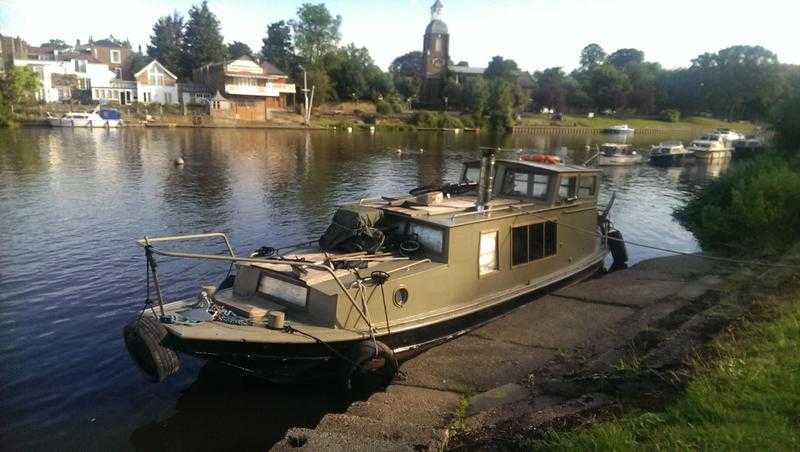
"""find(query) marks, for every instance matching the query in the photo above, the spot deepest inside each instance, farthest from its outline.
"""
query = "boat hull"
(712, 155)
(669, 159)
(91, 123)
(619, 161)
(314, 361)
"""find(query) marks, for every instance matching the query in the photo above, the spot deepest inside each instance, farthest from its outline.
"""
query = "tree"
(502, 69)
(319, 79)
(55, 44)
(550, 92)
(609, 87)
(501, 106)
(137, 61)
(592, 56)
(406, 72)
(355, 75)
(740, 81)
(202, 41)
(316, 31)
(623, 57)
(18, 84)
(475, 97)
(784, 122)
(166, 43)
(238, 49)
(278, 48)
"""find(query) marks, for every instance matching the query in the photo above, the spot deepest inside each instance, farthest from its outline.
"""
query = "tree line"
(308, 43)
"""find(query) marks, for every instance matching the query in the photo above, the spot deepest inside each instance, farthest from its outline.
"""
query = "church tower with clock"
(436, 56)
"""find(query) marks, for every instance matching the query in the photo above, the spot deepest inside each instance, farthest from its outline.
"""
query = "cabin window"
(533, 242)
(487, 258)
(523, 183)
(588, 186)
(471, 175)
(568, 187)
(431, 238)
(283, 291)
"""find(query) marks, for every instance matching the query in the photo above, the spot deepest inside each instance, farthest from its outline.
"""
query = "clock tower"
(436, 55)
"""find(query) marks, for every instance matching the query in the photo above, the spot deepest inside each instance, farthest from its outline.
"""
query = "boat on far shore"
(668, 153)
(101, 117)
(619, 129)
(615, 154)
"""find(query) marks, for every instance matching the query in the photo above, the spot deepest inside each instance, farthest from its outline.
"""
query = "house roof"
(271, 69)
(107, 43)
(466, 70)
(66, 56)
(147, 66)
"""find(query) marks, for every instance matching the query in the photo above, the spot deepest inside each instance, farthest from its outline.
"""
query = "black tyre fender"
(144, 338)
(361, 355)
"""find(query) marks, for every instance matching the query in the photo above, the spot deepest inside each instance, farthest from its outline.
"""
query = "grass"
(692, 122)
(746, 398)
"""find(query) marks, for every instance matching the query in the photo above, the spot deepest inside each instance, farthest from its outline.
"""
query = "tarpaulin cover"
(353, 228)
(106, 113)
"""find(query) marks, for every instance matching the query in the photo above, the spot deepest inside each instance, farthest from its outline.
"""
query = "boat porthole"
(400, 297)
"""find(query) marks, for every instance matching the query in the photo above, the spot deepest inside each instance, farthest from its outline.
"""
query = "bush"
(447, 121)
(384, 108)
(753, 208)
(670, 115)
(423, 119)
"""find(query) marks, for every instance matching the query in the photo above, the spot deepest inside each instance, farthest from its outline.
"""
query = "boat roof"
(545, 167)
(616, 145)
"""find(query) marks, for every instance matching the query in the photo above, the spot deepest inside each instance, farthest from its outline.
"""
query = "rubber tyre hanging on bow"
(143, 340)
(362, 371)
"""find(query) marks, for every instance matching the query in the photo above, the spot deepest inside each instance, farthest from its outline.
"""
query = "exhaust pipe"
(486, 178)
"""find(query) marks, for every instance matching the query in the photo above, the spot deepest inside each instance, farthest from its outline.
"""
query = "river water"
(72, 202)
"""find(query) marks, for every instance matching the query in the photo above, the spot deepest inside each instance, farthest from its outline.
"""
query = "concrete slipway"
(492, 373)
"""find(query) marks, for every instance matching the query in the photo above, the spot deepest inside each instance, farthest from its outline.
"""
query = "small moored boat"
(619, 129)
(389, 276)
(101, 117)
(669, 153)
(615, 154)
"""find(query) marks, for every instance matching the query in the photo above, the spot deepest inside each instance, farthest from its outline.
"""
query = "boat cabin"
(445, 254)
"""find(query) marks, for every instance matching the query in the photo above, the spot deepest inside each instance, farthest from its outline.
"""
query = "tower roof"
(436, 26)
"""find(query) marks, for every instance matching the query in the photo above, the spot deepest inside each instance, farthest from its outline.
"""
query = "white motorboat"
(669, 153)
(102, 117)
(615, 154)
(710, 146)
(729, 135)
(619, 129)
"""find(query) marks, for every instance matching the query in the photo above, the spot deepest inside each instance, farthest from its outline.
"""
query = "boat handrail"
(146, 242)
(171, 238)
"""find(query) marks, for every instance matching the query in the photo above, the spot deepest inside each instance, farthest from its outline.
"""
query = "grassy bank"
(692, 122)
(745, 393)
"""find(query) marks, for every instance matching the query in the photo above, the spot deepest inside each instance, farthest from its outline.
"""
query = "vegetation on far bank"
(692, 122)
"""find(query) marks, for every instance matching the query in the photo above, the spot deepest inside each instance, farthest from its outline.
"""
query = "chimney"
(77, 44)
(486, 179)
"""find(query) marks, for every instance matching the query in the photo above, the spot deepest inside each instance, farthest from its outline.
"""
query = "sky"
(536, 33)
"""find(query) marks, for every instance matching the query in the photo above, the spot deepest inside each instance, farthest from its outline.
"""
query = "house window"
(437, 44)
(533, 242)
(487, 256)
(80, 66)
(116, 57)
(168, 98)
(118, 72)
(588, 186)
(568, 188)
(154, 76)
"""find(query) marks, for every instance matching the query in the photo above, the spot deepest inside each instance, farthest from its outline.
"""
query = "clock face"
(437, 62)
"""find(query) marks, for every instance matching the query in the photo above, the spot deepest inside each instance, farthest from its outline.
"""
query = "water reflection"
(73, 201)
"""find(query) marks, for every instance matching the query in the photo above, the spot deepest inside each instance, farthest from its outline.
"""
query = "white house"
(69, 73)
(154, 83)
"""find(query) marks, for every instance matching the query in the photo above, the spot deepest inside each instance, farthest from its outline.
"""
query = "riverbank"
(591, 343)
(640, 124)
(744, 392)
